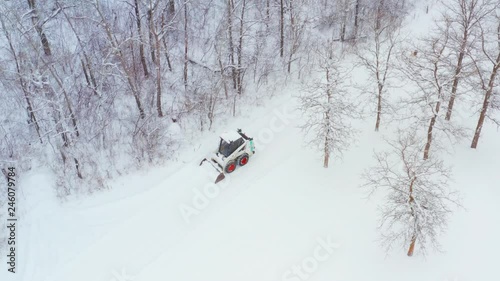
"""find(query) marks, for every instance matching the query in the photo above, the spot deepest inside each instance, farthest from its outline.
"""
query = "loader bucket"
(212, 171)
(220, 177)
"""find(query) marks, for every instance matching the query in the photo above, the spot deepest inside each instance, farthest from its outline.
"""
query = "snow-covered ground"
(282, 217)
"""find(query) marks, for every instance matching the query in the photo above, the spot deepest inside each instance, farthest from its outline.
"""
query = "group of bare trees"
(75, 97)
(457, 61)
(329, 103)
(419, 198)
(91, 87)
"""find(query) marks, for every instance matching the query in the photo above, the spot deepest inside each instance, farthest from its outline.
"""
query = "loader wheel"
(230, 167)
(243, 160)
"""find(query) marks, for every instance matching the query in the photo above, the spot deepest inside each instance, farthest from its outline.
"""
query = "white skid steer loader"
(235, 149)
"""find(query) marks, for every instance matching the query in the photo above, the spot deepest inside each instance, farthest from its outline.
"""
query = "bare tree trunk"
(342, 31)
(282, 27)
(31, 112)
(185, 44)
(85, 73)
(171, 9)
(327, 154)
(411, 201)
(151, 35)
(221, 66)
(167, 56)
(141, 40)
(77, 166)
(378, 20)
(344, 21)
(38, 28)
(439, 98)
(412, 246)
(158, 74)
(379, 106)
(230, 7)
(293, 34)
(356, 16)
(327, 117)
(486, 102)
(381, 72)
(429, 131)
(456, 78)
(268, 16)
(66, 99)
(240, 49)
(56, 116)
(164, 40)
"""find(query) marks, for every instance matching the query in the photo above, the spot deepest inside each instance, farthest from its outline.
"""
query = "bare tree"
(123, 61)
(419, 199)
(39, 27)
(377, 59)
(427, 67)
(239, 80)
(356, 18)
(296, 33)
(344, 8)
(152, 45)
(87, 68)
(487, 78)
(141, 40)
(230, 15)
(156, 34)
(165, 28)
(282, 27)
(21, 80)
(327, 107)
(186, 41)
(465, 16)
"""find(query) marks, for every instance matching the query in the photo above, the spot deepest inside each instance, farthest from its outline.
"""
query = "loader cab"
(229, 142)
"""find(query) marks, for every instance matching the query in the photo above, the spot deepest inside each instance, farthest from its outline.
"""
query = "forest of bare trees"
(93, 86)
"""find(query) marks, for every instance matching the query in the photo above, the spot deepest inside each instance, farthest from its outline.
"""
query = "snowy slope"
(264, 223)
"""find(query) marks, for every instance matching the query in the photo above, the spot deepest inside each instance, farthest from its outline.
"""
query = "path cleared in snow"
(264, 222)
